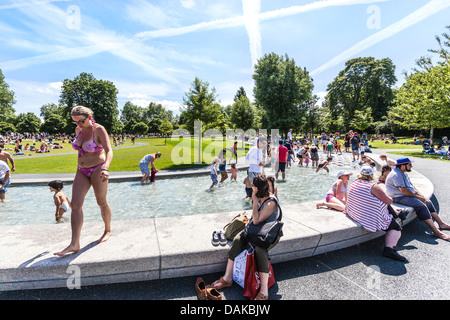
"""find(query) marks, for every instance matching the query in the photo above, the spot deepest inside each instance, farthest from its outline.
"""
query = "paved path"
(357, 272)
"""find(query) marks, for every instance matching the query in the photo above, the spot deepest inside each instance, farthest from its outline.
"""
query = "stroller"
(426, 146)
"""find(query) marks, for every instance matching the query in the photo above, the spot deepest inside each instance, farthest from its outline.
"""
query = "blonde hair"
(81, 111)
(365, 177)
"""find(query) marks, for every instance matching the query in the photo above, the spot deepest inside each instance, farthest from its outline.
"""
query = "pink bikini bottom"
(88, 171)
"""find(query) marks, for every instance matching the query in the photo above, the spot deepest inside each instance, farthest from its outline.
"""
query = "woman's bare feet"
(70, 249)
(104, 237)
(319, 205)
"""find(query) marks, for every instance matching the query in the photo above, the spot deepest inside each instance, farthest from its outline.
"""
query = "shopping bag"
(252, 281)
(239, 265)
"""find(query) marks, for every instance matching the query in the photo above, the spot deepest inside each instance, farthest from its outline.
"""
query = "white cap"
(344, 173)
(366, 171)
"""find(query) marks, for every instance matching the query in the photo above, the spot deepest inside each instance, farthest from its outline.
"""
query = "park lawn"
(420, 154)
(127, 159)
(381, 144)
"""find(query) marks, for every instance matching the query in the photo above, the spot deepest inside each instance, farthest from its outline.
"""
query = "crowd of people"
(366, 200)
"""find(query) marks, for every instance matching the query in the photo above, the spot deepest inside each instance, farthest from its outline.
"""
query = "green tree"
(199, 104)
(242, 113)
(49, 109)
(240, 93)
(98, 95)
(132, 111)
(6, 127)
(28, 122)
(6, 100)
(54, 123)
(423, 102)
(139, 128)
(364, 82)
(281, 88)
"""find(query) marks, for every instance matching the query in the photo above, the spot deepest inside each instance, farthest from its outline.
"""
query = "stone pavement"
(34, 267)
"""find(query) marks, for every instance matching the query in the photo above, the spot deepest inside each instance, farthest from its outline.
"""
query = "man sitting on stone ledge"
(401, 190)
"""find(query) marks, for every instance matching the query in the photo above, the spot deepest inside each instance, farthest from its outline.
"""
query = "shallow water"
(168, 197)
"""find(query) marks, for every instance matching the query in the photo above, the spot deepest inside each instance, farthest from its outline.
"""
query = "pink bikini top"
(89, 148)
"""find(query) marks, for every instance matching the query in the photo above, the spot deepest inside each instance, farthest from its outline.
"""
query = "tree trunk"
(431, 135)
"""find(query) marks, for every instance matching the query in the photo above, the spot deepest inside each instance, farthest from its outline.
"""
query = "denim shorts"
(5, 186)
(214, 178)
(422, 210)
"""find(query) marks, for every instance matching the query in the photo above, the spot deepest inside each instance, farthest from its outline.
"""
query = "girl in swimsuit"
(62, 203)
(94, 157)
(337, 195)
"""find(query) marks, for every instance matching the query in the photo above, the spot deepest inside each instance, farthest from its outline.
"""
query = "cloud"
(148, 14)
(434, 6)
(241, 20)
(188, 4)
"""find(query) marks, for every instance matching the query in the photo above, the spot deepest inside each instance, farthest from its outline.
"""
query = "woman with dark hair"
(265, 209)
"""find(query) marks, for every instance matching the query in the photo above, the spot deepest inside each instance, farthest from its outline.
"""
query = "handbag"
(252, 280)
(264, 234)
(236, 225)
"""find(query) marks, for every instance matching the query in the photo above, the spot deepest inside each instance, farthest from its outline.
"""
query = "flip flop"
(223, 284)
(200, 289)
(213, 294)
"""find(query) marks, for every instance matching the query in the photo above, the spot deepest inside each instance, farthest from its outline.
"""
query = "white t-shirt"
(254, 156)
(3, 169)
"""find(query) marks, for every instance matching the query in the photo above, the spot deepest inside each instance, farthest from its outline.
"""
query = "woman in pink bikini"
(93, 165)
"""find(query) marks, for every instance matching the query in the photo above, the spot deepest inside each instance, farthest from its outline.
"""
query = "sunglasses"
(80, 121)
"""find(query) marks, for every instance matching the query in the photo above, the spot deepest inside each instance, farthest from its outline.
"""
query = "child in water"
(324, 163)
(234, 172)
(248, 187)
(214, 164)
(62, 203)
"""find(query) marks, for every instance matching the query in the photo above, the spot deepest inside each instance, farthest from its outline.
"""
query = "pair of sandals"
(210, 291)
(206, 291)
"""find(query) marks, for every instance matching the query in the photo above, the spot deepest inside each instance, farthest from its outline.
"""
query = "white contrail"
(434, 6)
(29, 3)
(250, 10)
(240, 21)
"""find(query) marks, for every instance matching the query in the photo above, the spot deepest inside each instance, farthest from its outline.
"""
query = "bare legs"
(81, 185)
(334, 203)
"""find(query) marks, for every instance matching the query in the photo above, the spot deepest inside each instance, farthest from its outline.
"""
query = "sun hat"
(403, 161)
(344, 173)
(366, 171)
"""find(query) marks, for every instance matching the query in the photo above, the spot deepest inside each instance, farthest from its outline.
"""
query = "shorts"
(214, 178)
(5, 186)
(281, 166)
(249, 192)
(355, 148)
(252, 175)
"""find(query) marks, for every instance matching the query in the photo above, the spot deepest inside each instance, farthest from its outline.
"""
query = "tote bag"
(252, 281)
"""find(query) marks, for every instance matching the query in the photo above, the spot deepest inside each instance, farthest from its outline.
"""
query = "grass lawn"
(420, 154)
(381, 144)
(127, 156)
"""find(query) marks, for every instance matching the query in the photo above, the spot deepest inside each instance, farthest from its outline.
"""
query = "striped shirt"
(363, 207)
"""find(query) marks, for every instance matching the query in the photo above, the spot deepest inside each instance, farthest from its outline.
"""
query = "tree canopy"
(281, 89)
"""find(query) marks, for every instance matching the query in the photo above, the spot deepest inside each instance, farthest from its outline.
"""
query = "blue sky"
(152, 50)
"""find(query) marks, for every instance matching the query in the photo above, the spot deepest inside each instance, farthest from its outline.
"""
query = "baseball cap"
(366, 171)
